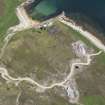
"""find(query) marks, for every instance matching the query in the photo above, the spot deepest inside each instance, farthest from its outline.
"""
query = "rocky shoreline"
(89, 25)
(84, 21)
(87, 34)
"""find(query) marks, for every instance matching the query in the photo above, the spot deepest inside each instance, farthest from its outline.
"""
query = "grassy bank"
(94, 100)
(9, 18)
(76, 35)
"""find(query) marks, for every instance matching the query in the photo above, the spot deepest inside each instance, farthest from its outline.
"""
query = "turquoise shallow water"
(94, 9)
(46, 7)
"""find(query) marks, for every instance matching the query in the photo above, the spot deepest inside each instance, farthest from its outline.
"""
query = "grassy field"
(40, 54)
(8, 93)
(9, 17)
(44, 56)
(55, 96)
(91, 82)
(94, 100)
(1, 7)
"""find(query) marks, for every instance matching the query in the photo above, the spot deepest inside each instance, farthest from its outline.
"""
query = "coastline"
(26, 23)
(80, 20)
(86, 33)
(91, 37)
(89, 25)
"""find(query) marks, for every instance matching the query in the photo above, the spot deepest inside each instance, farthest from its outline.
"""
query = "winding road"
(73, 99)
(5, 75)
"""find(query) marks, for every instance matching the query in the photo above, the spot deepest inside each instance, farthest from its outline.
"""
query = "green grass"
(101, 58)
(9, 18)
(94, 100)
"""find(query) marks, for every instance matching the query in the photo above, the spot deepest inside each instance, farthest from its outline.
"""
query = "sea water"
(94, 9)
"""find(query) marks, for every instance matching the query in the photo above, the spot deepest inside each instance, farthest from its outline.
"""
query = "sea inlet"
(44, 9)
